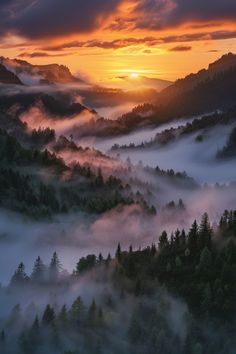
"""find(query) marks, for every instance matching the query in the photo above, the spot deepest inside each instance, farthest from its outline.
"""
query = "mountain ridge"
(207, 91)
(41, 74)
(224, 63)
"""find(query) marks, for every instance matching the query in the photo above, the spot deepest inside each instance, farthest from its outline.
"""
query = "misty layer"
(192, 148)
(75, 184)
(108, 298)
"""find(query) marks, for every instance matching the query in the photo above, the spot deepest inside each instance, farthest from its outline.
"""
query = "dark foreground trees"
(178, 298)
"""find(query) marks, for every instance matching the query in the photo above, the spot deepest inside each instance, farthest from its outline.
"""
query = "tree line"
(195, 267)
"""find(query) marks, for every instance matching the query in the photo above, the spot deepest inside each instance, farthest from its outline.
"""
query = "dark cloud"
(168, 13)
(181, 48)
(202, 36)
(115, 44)
(147, 51)
(41, 55)
(39, 19)
(147, 41)
(51, 18)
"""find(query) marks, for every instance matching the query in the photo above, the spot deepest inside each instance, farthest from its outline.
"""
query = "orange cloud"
(181, 48)
(149, 41)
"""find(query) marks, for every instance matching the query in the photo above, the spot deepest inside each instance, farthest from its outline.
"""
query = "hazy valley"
(109, 182)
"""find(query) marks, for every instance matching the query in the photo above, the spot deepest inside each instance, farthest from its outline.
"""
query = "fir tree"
(38, 273)
(48, 315)
(20, 277)
(118, 253)
(205, 232)
(54, 268)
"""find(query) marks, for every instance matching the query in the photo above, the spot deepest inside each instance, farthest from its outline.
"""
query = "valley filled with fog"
(78, 234)
(197, 159)
(116, 205)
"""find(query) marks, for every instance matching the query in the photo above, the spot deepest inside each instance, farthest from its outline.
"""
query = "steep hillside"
(59, 104)
(208, 90)
(225, 63)
(7, 77)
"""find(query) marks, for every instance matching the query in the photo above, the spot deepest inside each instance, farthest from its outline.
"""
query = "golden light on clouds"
(134, 38)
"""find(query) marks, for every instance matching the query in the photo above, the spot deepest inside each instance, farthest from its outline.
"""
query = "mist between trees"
(176, 296)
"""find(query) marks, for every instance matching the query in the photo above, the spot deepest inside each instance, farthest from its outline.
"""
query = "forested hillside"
(176, 296)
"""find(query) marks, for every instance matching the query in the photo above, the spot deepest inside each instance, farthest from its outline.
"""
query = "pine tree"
(92, 314)
(35, 325)
(78, 311)
(54, 268)
(177, 239)
(163, 241)
(108, 260)
(153, 249)
(118, 253)
(63, 316)
(85, 264)
(182, 238)
(193, 239)
(34, 333)
(20, 277)
(99, 181)
(100, 258)
(205, 232)
(230, 252)
(38, 273)
(205, 261)
(48, 315)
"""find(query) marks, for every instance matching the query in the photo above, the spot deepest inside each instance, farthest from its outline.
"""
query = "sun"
(134, 75)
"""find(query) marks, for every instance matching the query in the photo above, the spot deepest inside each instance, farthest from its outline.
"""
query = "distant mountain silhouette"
(208, 90)
(219, 68)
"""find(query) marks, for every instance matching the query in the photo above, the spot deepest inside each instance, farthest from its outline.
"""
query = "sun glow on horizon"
(134, 75)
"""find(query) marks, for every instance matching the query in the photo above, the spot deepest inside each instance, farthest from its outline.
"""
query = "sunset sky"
(107, 40)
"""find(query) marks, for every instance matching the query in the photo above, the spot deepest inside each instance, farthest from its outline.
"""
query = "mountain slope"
(7, 77)
(39, 74)
(208, 90)
(220, 67)
(59, 105)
